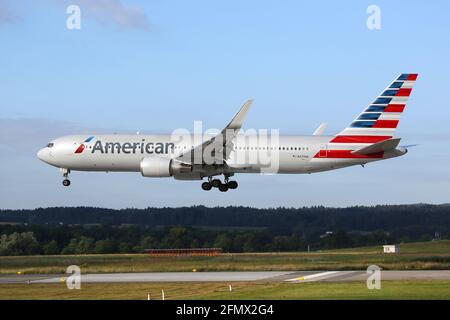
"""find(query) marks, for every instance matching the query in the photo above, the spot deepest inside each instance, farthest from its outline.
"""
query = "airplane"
(368, 138)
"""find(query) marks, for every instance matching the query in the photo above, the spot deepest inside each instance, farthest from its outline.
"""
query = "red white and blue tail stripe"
(380, 119)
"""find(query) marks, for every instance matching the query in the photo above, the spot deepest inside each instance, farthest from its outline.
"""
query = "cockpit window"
(50, 145)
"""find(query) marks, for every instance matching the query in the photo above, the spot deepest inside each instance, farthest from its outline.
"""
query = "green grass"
(431, 247)
(414, 256)
(242, 290)
(342, 290)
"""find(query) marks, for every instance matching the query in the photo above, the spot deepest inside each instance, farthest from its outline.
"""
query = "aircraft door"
(323, 152)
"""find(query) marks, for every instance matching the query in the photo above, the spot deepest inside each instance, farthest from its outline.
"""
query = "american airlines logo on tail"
(375, 126)
(380, 119)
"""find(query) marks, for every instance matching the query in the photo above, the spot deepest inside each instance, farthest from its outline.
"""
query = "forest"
(80, 230)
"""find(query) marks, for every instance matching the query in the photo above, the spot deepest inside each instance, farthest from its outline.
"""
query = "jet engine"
(158, 167)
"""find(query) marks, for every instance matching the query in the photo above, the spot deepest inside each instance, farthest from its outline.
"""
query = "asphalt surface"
(288, 276)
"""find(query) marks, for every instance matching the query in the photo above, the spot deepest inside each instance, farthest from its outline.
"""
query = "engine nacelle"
(155, 167)
(158, 167)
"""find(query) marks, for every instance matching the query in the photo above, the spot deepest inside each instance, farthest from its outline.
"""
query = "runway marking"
(313, 276)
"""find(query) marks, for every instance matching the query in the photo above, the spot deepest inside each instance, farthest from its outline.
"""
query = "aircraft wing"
(386, 145)
(221, 144)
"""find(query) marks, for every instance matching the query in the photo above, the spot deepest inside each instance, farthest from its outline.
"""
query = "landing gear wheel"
(206, 186)
(65, 173)
(216, 183)
(232, 184)
(223, 187)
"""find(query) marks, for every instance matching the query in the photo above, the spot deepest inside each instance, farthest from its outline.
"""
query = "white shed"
(391, 248)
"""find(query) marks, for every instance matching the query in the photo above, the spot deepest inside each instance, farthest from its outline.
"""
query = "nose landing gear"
(66, 181)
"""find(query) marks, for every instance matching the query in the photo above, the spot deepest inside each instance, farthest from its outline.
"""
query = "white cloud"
(6, 14)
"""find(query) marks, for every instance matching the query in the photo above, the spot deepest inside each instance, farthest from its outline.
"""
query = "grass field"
(413, 256)
(430, 247)
(241, 290)
(429, 255)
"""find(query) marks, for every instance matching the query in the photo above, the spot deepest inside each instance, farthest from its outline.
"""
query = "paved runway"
(339, 276)
(288, 276)
(174, 277)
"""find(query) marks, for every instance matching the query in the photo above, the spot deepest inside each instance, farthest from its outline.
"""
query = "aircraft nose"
(40, 154)
(43, 155)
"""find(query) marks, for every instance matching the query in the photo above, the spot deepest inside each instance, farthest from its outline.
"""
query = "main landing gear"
(216, 183)
(66, 181)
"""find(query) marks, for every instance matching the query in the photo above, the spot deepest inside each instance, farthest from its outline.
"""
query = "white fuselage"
(288, 154)
(369, 137)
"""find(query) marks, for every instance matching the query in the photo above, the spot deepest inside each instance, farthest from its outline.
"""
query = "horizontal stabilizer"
(409, 145)
(382, 146)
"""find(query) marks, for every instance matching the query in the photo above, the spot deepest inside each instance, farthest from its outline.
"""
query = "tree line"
(31, 240)
(235, 229)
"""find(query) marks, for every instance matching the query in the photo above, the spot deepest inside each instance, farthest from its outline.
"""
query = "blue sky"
(155, 66)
